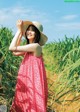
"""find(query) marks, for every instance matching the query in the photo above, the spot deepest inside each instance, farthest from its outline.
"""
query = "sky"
(58, 18)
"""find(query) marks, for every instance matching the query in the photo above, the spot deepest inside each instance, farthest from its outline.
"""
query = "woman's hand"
(19, 25)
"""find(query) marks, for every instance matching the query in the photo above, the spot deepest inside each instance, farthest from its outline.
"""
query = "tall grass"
(66, 64)
(8, 67)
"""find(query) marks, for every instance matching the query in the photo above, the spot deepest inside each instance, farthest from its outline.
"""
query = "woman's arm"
(33, 47)
(18, 53)
(13, 44)
(18, 43)
(19, 36)
(19, 24)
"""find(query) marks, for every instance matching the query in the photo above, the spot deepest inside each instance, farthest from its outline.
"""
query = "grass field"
(62, 63)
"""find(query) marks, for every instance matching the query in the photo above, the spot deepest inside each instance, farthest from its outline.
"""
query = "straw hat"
(43, 38)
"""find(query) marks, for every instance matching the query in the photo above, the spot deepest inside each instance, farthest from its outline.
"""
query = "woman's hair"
(37, 34)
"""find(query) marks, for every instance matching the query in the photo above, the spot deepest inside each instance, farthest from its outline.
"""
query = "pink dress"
(31, 90)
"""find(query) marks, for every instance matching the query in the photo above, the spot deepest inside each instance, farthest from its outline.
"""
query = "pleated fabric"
(31, 91)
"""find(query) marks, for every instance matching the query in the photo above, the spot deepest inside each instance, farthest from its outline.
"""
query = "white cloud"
(68, 26)
(3, 15)
(69, 17)
(9, 16)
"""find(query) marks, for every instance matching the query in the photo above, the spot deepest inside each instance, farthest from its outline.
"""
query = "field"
(62, 63)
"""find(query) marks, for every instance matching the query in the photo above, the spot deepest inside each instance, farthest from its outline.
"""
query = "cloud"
(9, 16)
(68, 26)
(3, 15)
(69, 17)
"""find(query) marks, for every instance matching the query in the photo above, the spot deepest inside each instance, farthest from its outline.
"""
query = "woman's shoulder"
(38, 47)
(38, 51)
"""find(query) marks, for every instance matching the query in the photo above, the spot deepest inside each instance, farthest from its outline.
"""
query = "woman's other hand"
(19, 24)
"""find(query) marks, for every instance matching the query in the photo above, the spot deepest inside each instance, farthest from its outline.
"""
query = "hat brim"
(43, 38)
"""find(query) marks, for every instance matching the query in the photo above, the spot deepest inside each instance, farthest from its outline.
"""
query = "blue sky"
(58, 18)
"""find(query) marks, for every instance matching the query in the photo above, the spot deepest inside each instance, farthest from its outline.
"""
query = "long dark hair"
(37, 34)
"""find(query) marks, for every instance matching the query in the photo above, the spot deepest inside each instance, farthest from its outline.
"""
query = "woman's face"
(30, 33)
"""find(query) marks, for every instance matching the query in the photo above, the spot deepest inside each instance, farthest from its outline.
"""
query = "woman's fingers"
(19, 24)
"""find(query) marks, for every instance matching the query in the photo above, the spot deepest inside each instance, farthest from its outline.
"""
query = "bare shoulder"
(38, 47)
(38, 50)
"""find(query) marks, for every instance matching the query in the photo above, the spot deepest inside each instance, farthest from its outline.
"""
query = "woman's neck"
(31, 41)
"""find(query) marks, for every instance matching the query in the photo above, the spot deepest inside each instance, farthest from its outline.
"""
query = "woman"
(31, 89)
